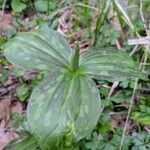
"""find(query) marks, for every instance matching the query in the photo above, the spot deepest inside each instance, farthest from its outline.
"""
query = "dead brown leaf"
(5, 23)
(17, 107)
(6, 134)
(29, 75)
(5, 109)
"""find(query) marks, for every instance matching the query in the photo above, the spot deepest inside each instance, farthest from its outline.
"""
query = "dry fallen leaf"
(17, 107)
(29, 75)
(5, 23)
(6, 134)
(5, 109)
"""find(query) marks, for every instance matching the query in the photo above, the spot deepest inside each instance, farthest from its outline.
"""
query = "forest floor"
(86, 22)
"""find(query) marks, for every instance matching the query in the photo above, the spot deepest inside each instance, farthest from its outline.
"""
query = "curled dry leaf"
(6, 134)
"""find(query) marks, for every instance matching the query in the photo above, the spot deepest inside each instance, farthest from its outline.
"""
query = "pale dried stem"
(128, 115)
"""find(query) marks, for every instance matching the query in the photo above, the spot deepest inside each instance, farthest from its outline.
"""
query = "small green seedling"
(68, 99)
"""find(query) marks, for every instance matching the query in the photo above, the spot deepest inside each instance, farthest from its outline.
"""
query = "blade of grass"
(119, 15)
(142, 15)
(86, 6)
(3, 7)
(75, 59)
(100, 20)
(121, 7)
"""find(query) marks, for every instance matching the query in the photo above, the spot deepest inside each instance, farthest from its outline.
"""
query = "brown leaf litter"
(5, 22)
(7, 107)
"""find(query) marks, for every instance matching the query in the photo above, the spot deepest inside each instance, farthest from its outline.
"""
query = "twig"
(115, 84)
(139, 41)
(135, 49)
(147, 129)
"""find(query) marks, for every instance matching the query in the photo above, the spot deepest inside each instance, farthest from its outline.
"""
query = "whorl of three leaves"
(68, 99)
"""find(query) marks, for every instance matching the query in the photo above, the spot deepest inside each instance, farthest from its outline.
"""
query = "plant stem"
(75, 59)
(48, 7)
(100, 20)
(129, 111)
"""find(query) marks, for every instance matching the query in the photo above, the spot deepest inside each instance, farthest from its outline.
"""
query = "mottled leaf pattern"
(27, 143)
(39, 50)
(68, 100)
(109, 65)
(62, 103)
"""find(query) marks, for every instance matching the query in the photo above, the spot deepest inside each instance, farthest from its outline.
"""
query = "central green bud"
(75, 59)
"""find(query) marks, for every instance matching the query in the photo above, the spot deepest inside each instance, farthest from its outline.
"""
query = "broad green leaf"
(62, 104)
(38, 50)
(44, 5)
(109, 65)
(27, 143)
(18, 5)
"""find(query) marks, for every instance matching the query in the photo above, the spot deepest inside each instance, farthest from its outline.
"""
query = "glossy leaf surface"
(68, 101)
(109, 65)
(38, 50)
(63, 103)
(27, 143)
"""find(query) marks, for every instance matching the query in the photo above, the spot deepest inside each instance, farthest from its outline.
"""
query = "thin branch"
(135, 49)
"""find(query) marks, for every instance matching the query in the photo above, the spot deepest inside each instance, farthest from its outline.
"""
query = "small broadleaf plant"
(68, 99)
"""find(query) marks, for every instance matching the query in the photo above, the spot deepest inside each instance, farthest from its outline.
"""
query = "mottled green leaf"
(27, 143)
(63, 103)
(44, 5)
(109, 65)
(68, 101)
(41, 49)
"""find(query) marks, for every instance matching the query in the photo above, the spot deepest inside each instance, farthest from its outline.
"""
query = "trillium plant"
(67, 101)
